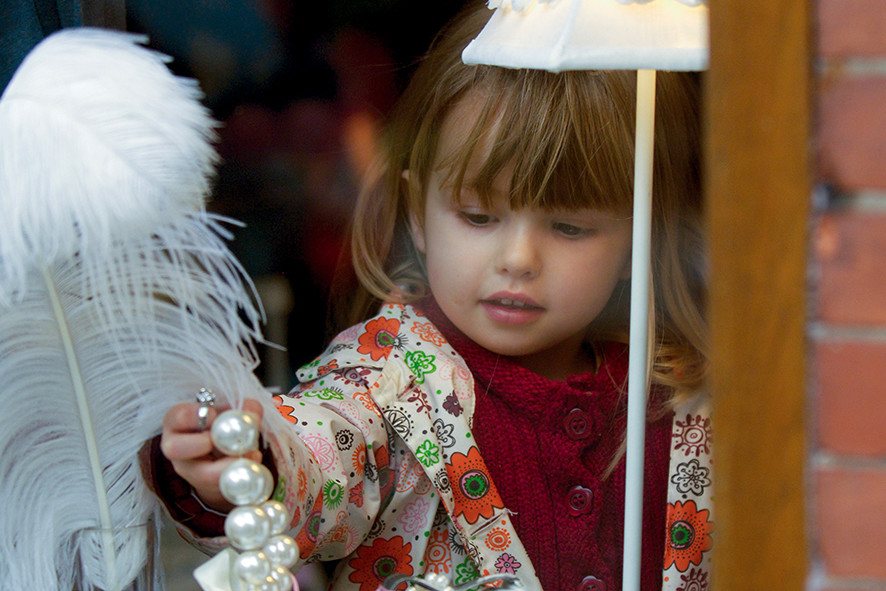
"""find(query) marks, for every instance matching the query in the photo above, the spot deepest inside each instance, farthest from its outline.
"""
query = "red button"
(591, 584)
(580, 500)
(578, 424)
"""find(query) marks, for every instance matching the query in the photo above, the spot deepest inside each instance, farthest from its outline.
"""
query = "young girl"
(474, 424)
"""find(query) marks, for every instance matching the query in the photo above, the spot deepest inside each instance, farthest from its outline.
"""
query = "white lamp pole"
(638, 359)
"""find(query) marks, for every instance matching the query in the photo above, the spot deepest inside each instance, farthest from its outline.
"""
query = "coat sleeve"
(329, 448)
(334, 463)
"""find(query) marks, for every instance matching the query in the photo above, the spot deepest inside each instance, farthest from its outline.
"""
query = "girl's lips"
(511, 308)
(511, 300)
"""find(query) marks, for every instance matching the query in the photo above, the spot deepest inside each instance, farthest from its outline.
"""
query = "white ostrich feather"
(118, 299)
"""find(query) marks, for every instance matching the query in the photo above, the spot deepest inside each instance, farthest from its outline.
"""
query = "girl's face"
(525, 283)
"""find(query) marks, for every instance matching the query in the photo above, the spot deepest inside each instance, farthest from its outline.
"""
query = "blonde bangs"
(568, 137)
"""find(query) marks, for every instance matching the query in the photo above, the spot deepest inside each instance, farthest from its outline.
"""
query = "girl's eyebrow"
(450, 185)
(450, 175)
(597, 213)
(466, 187)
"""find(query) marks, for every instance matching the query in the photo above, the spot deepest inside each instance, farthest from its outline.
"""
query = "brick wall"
(848, 324)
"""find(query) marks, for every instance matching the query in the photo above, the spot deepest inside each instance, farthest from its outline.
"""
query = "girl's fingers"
(183, 440)
(204, 474)
(186, 446)
(253, 406)
(189, 448)
(185, 418)
(255, 456)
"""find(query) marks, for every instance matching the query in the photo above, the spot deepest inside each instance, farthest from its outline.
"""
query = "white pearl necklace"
(255, 526)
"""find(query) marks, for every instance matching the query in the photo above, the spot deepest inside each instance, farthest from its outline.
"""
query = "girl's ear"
(415, 228)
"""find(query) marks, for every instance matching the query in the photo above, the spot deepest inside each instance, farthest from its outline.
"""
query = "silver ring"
(206, 400)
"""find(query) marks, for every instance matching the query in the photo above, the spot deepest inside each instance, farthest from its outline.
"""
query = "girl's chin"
(507, 347)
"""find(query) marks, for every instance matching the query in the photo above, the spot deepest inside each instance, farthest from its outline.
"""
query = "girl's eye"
(476, 219)
(570, 231)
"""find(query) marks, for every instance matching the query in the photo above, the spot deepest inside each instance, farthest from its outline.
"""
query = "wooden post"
(758, 199)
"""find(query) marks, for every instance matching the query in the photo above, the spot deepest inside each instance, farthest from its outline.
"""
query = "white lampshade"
(563, 35)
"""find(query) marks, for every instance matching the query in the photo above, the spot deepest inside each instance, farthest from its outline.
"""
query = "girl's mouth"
(511, 300)
(514, 304)
(511, 309)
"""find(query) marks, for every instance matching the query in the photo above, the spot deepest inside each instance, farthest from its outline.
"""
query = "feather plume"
(118, 299)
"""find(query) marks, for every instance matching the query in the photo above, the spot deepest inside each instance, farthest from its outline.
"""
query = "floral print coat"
(382, 472)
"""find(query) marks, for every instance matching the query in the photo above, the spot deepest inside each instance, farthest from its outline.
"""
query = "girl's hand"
(191, 452)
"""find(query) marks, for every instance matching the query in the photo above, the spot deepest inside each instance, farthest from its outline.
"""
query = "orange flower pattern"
(332, 365)
(498, 539)
(307, 536)
(438, 555)
(428, 333)
(380, 337)
(285, 410)
(358, 459)
(689, 535)
(373, 564)
(475, 494)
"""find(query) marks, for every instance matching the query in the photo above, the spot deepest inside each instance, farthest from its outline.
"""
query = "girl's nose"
(519, 253)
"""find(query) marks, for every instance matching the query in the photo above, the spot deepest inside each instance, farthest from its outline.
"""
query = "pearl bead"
(245, 482)
(235, 432)
(281, 551)
(278, 515)
(283, 577)
(272, 584)
(252, 567)
(437, 580)
(247, 527)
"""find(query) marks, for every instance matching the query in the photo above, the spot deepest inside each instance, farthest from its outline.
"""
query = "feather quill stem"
(104, 506)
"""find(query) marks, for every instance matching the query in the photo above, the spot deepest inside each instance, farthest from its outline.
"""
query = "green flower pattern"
(280, 491)
(421, 364)
(324, 394)
(333, 494)
(465, 572)
(428, 454)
